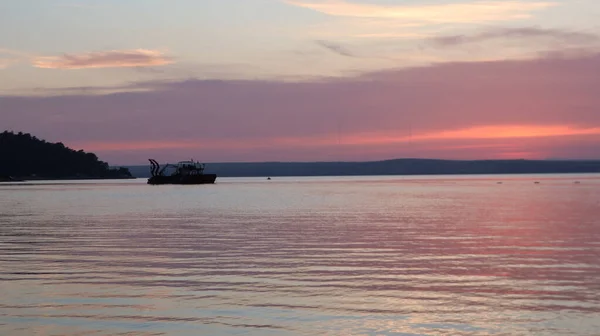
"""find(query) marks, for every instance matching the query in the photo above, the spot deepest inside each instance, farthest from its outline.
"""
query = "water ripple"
(383, 256)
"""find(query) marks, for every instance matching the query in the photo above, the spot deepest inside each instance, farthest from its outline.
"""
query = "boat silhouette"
(185, 172)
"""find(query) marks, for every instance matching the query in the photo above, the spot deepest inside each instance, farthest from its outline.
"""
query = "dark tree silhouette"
(23, 155)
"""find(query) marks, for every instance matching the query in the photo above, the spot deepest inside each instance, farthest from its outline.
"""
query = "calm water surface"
(303, 256)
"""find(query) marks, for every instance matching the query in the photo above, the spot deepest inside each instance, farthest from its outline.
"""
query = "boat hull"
(189, 179)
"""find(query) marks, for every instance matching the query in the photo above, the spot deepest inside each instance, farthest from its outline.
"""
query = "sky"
(304, 80)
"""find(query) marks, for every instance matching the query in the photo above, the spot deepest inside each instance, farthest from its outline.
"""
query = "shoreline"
(401, 167)
(442, 175)
(29, 179)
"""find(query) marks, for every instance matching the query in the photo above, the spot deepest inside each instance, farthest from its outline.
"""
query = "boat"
(185, 172)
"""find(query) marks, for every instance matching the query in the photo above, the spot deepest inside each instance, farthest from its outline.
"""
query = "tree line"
(23, 155)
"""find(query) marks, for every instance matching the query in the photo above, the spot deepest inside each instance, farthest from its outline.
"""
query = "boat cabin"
(189, 168)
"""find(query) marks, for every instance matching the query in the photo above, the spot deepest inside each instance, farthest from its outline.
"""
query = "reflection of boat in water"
(186, 172)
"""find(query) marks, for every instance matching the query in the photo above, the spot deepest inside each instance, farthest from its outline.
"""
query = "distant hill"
(23, 156)
(392, 167)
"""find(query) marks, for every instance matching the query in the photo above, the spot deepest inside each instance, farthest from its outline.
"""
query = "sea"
(371, 255)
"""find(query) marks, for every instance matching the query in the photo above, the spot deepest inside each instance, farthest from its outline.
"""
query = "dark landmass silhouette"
(393, 167)
(25, 157)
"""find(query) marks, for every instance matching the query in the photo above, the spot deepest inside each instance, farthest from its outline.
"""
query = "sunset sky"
(304, 80)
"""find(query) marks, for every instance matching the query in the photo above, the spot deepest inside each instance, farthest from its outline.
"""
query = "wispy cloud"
(105, 59)
(517, 33)
(6, 62)
(9, 57)
(481, 11)
(336, 48)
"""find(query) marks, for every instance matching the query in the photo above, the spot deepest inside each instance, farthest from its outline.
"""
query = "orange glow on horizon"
(479, 132)
(503, 132)
(367, 139)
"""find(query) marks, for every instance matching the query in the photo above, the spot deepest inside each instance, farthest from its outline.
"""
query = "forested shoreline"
(25, 157)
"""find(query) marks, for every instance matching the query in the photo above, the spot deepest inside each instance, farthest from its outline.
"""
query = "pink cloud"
(9, 57)
(6, 62)
(105, 59)
(540, 108)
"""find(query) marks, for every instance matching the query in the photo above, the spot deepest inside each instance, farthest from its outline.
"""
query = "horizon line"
(372, 161)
